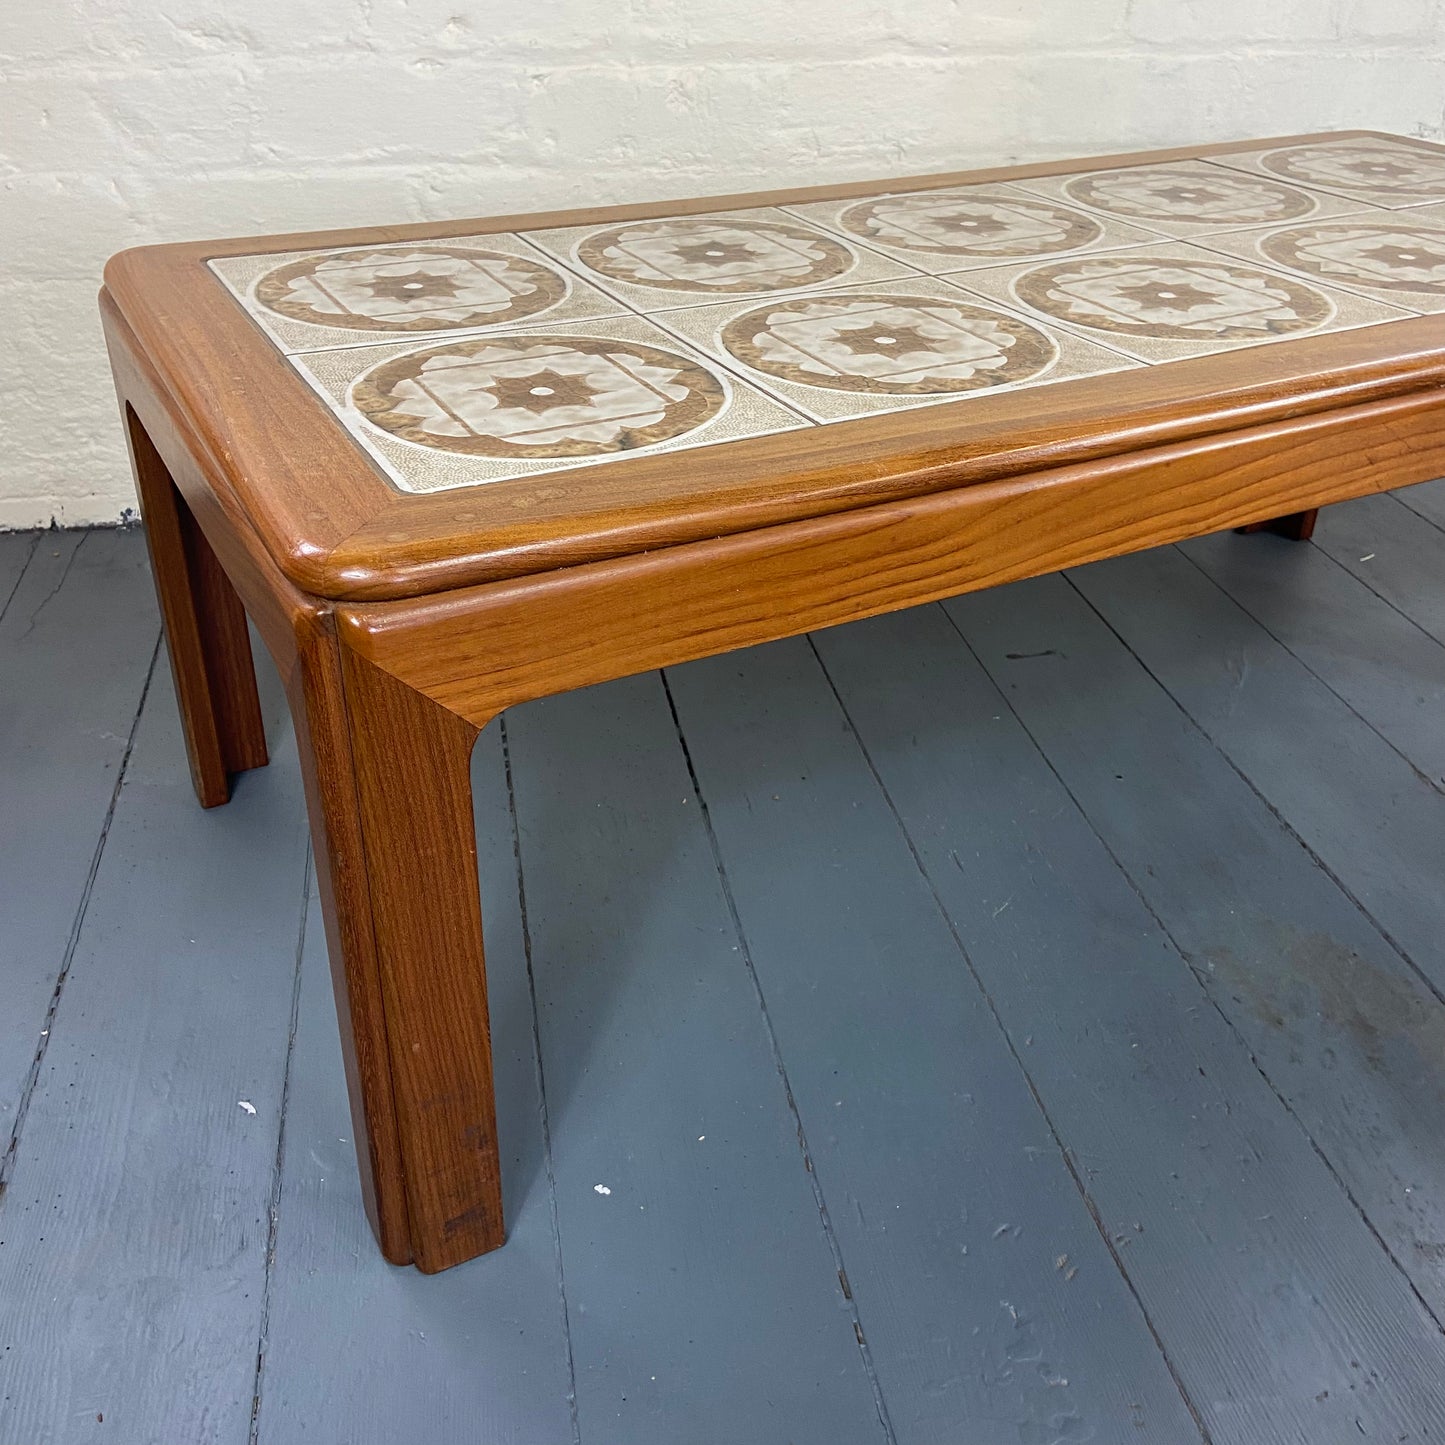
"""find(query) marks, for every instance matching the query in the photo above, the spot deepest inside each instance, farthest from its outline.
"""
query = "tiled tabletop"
(462, 361)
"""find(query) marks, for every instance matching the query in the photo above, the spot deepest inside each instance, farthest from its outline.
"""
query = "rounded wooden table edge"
(339, 530)
(481, 649)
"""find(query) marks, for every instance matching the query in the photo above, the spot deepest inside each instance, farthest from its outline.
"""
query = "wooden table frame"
(401, 625)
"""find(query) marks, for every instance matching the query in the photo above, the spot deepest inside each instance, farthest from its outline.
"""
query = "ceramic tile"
(1370, 171)
(683, 260)
(966, 226)
(1394, 256)
(309, 299)
(1185, 198)
(485, 407)
(1173, 300)
(844, 353)
(472, 359)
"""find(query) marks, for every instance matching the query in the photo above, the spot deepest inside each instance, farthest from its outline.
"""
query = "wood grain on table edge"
(337, 528)
(480, 649)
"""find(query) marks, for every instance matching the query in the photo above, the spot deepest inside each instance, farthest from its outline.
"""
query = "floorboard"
(696, 1264)
(1383, 666)
(15, 552)
(963, 1235)
(71, 677)
(1366, 813)
(481, 1349)
(1269, 1294)
(1013, 1023)
(1393, 550)
(1425, 500)
(133, 1237)
(1345, 1030)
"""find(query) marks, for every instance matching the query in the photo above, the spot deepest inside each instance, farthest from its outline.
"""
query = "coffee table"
(449, 467)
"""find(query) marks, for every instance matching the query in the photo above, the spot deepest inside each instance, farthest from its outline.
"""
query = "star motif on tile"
(541, 391)
(714, 253)
(1391, 170)
(1159, 294)
(1388, 254)
(879, 340)
(415, 287)
(1182, 194)
(974, 225)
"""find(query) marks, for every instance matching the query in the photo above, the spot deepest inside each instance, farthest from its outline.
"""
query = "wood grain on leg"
(318, 705)
(1297, 526)
(389, 775)
(413, 774)
(206, 634)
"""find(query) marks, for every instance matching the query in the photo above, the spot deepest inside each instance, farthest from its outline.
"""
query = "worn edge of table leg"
(300, 634)
(477, 650)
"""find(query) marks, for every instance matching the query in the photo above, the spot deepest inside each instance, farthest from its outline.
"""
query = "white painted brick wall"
(124, 121)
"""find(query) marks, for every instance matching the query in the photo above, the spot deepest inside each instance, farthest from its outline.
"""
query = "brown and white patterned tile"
(1173, 300)
(310, 299)
(670, 261)
(844, 353)
(1185, 198)
(966, 226)
(1395, 256)
(1370, 171)
(483, 408)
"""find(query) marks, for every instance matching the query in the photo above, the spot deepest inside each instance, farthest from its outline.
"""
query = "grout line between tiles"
(657, 319)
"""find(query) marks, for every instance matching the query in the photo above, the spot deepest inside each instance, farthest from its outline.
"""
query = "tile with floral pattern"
(844, 353)
(1369, 170)
(483, 407)
(1395, 256)
(958, 227)
(1173, 300)
(359, 294)
(684, 260)
(1185, 198)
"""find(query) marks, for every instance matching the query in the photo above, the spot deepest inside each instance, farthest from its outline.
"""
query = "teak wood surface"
(401, 624)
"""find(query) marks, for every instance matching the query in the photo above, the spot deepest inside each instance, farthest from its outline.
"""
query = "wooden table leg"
(389, 776)
(206, 633)
(1298, 526)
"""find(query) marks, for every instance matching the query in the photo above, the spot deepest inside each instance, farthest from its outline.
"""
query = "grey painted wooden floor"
(1014, 1022)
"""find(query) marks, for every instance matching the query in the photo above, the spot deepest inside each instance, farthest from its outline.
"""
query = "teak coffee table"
(446, 468)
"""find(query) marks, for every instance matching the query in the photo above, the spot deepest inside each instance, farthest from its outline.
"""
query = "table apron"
(478, 650)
